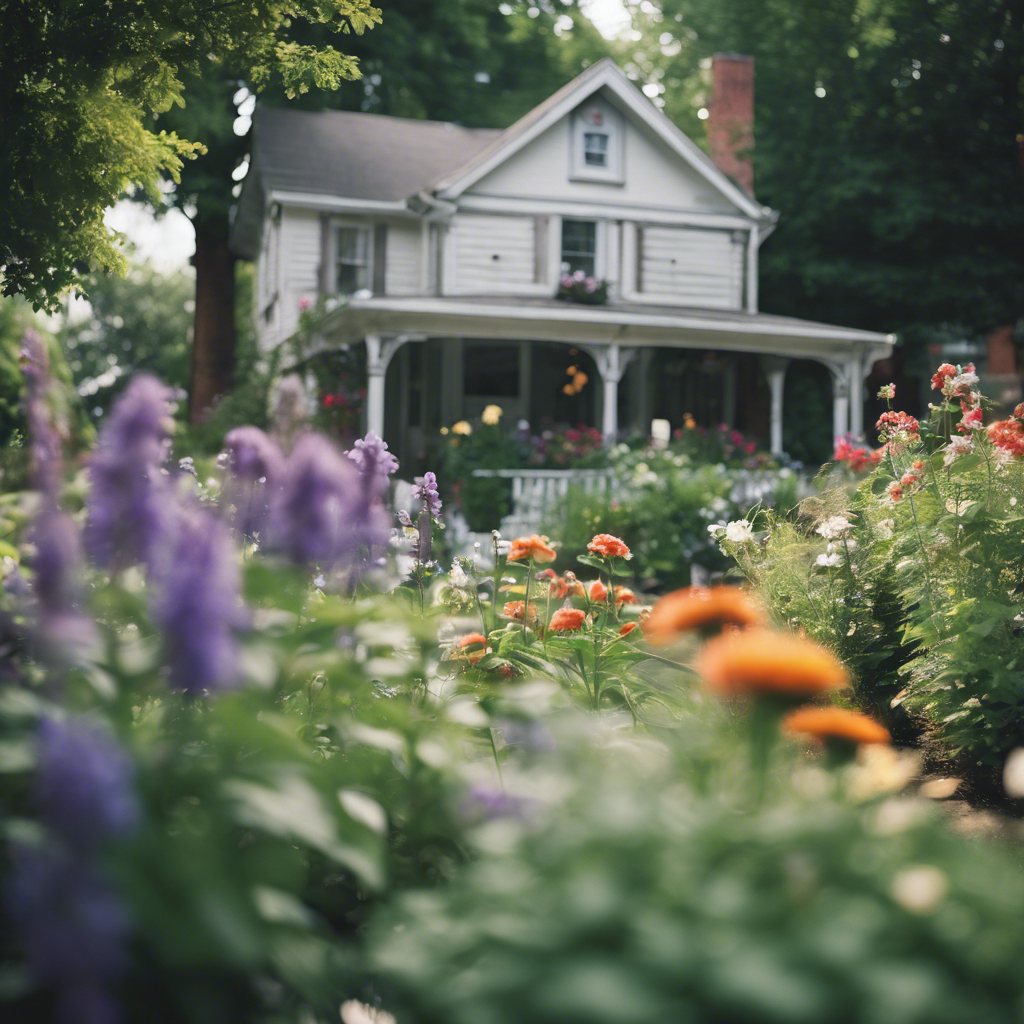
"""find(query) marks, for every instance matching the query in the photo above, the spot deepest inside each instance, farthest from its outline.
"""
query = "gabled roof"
(607, 75)
(357, 156)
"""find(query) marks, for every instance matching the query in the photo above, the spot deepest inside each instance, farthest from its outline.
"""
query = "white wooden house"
(444, 247)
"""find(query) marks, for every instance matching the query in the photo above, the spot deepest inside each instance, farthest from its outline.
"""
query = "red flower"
(598, 592)
(942, 374)
(627, 628)
(1018, 411)
(472, 647)
(1008, 435)
(908, 479)
(533, 547)
(328, 399)
(566, 620)
(970, 417)
(895, 491)
(623, 595)
(609, 546)
(892, 423)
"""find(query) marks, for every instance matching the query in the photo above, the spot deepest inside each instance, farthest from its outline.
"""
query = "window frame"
(366, 231)
(594, 255)
(597, 117)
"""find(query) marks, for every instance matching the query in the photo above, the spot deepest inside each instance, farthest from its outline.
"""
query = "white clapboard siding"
(693, 267)
(475, 239)
(300, 249)
(404, 248)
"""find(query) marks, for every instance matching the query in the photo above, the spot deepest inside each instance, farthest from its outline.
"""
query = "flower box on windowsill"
(580, 288)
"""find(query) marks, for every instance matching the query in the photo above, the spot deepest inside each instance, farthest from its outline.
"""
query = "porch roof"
(629, 325)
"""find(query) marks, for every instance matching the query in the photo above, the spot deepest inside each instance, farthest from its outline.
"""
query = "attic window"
(597, 132)
(595, 149)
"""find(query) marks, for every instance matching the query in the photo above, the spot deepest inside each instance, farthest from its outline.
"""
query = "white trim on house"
(606, 74)
(321, 202)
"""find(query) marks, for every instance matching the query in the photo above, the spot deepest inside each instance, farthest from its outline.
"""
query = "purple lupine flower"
(425, 489)
(256, 468)
(83, 786)
(198, 604)
(375, 462)
(57, 561)
(128, 493)
(44, 444)
(314, 515)
(74, 930)
(485, 802)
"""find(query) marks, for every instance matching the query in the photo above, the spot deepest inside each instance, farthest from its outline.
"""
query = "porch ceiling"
(628, 325)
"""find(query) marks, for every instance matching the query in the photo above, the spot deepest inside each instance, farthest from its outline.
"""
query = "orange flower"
(694, 607)
(514, 610)
(472, 647)
(598, 592)
(533, 547)
(609, 546)
(761, 661)
(623, 595)
(835, 723)
(565, 620)
(627, 628)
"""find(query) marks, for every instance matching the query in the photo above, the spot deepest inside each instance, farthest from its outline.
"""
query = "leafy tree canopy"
(886, 134)
(78, 81)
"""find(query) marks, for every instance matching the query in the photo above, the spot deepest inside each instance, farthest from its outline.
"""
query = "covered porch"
(435, 360)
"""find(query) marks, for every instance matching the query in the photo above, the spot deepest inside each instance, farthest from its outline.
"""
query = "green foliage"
(922, 595)
(142, 321)
(77, 89)
(885, 134)
(644, 887)
(482, 500)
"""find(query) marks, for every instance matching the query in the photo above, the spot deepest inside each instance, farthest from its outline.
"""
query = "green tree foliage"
(142, 321)
(886, 136)
(78, 81)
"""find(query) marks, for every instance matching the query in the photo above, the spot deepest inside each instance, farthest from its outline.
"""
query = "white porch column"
(611, 364)
(840, 399)
(856, 373)
(775, 370)
(378, 354)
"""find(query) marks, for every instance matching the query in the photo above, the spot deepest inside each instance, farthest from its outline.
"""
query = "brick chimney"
(731, 116)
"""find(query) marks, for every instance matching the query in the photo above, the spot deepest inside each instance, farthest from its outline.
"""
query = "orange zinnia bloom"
(565, 620)
(835, 723)
(471, 640)
(514, 610)
(694, 607)
(609, 546)
(760, 661)
(627, 628)
(533, 547)
(623, 595)
(598, 592)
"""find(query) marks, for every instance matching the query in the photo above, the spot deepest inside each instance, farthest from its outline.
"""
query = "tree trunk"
(213, 345)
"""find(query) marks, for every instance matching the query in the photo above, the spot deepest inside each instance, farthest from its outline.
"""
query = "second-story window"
(352, 259)
(595, 149)
(579, 247)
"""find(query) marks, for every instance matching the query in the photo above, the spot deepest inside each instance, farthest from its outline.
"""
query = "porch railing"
(538, 493)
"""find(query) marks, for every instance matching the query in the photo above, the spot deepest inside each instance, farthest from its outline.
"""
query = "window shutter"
(639, 259)
(380, 258)
(540, 249)
(323, 277)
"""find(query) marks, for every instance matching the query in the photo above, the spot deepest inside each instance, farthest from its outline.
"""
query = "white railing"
(538, 493)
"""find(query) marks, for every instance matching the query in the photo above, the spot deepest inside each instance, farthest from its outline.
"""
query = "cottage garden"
(268, 753)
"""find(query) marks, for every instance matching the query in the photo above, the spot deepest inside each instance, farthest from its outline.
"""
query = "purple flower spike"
(74, 930)
(425, 490)
(256, 465)
(57, 561)
(83, 787)
(128, 492)
(315, 520)
(198, 603)
(375, 462)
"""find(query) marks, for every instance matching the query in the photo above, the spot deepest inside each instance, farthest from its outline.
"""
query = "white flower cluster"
(739, 531)
(834, 527)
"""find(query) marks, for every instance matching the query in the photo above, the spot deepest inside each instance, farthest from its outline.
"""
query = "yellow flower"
(491, 415)
(462, 427)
